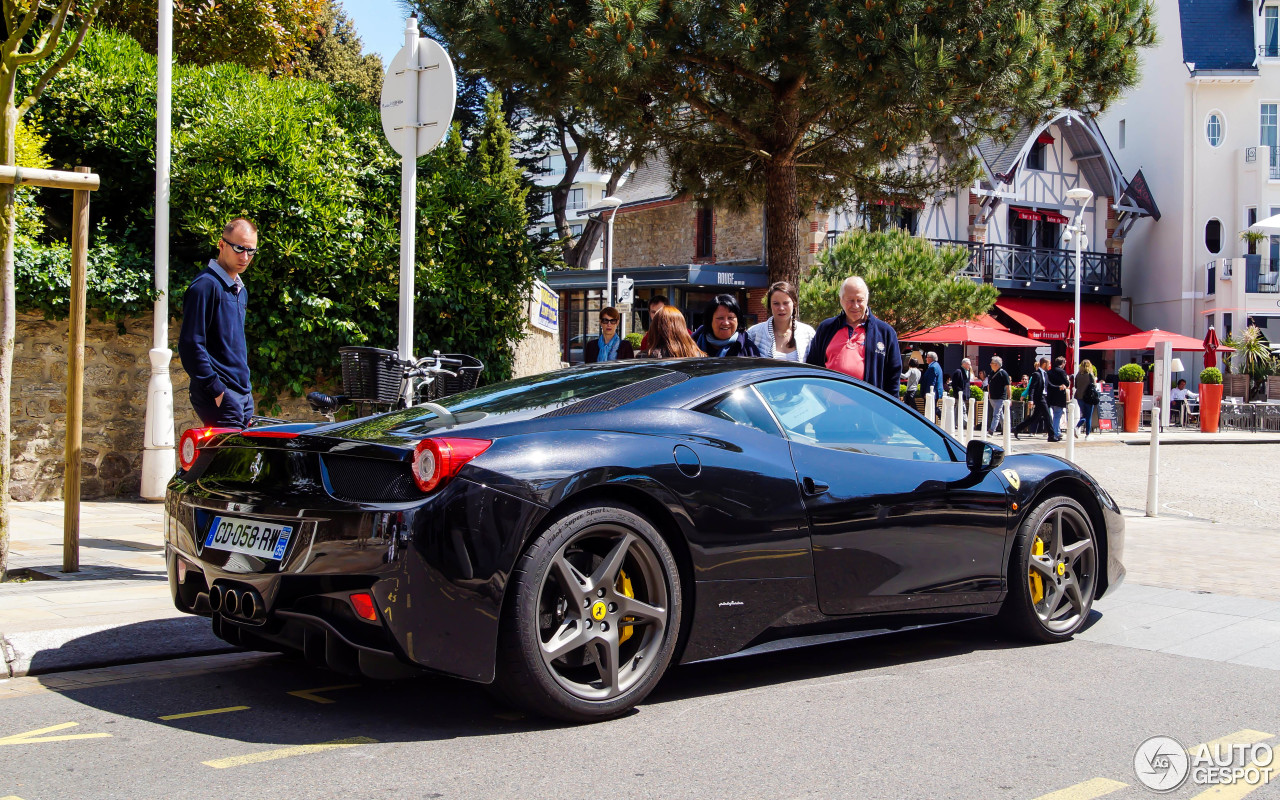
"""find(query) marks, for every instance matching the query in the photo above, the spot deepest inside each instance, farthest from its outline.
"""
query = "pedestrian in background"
(932, 379)
(609, 345)
(669, 336)
(211, 343)
(960, 382)
(1087, 395)
(856, 342)
(1037, 395)
(656, 304)
(720, 334)
(782, 335)
(998, 394)
(912, 377)
(1059, 385)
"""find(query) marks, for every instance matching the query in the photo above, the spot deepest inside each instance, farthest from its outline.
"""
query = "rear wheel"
(1053, 573)
(594, 616)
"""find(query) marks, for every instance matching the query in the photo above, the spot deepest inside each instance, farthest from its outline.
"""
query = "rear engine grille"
(620, 396)
(371, 479)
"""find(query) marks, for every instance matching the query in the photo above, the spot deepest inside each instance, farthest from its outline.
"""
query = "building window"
(1267, 133)
(575, 200)
(1035, 158)
(1121, 137)
(1213, 236)
(704, 240)
(1213, 129)
(1271, 32)
(885, 216)
(554, 164)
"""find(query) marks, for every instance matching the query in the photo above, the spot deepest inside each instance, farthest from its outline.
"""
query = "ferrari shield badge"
(1012, 476)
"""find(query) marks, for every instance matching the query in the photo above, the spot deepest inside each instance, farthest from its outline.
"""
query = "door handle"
(812, 487)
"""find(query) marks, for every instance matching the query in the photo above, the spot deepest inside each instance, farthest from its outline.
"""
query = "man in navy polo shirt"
(212, 344)
(856, 343)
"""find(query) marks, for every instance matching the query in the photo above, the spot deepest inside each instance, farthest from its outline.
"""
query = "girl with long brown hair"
(669, 335)
(782, 335)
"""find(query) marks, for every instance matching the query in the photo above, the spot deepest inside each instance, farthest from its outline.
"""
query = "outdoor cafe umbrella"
(1147, 340)
(970, 332)
(1211, 345)
(1269, 224)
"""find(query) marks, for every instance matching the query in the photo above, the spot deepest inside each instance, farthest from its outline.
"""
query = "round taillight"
(424, 466)
(187, 450)
(436, 461)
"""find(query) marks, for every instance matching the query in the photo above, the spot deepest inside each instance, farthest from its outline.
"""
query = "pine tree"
(492, 158)
(797, 103)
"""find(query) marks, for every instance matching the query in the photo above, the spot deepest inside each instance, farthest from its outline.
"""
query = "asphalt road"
(956, 712)
(1237, 484)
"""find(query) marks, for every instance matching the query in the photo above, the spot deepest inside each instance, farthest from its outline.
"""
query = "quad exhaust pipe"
(233, 602)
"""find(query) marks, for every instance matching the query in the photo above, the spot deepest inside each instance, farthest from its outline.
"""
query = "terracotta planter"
(1210, 406)
(1131, 396)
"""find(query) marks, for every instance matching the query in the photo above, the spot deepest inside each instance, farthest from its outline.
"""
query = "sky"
(380, 24)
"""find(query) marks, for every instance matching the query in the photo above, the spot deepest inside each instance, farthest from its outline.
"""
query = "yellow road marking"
(1245, 736)
(313, 694)
(205, 713)
(31, 737)
(287, 752)
(11, 797)
(1085, 791)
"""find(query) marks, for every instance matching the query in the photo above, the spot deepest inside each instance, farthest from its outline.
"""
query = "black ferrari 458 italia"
(567, 537)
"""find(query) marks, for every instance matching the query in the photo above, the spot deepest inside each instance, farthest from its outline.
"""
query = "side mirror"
(981, 456)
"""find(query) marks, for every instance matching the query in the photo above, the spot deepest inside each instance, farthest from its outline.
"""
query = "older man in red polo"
(857, 343)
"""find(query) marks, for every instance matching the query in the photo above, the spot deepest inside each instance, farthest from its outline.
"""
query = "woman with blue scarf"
(609, 345)
(720, 335)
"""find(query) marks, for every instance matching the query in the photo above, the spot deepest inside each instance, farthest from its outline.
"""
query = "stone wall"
(664, 233)
(116, 373)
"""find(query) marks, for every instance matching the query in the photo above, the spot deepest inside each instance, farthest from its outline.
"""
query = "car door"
(896, 521)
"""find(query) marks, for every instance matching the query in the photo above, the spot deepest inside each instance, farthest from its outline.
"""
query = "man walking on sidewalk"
(960, 380)
(1037, 394)
(997, 393)
(212, 344)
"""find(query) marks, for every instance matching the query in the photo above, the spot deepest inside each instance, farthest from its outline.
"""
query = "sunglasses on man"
(239, 248)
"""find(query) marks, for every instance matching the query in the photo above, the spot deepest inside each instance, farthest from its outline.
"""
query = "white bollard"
(986, 416)
(1071, 430)
(968, 434)
(1008, 429)
(948, 414)
(931, 407)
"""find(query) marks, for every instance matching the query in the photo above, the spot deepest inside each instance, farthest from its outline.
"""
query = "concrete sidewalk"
(52, 621)
(117, 609)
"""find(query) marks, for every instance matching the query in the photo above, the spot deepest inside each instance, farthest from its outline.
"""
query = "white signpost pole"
(418, 97)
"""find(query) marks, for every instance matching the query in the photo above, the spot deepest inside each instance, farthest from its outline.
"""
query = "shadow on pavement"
(292, 703)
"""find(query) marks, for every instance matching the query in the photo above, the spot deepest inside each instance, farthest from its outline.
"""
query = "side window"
(840, 416)
(742, 407)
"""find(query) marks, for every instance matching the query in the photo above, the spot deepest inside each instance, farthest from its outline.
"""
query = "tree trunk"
(8, 307)
(782, 223)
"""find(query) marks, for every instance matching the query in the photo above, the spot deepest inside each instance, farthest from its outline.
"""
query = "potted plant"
(1210, 399)
(1131, 376)
(1252, 238)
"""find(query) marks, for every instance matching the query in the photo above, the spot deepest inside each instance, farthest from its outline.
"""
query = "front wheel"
(1053, 572)
(594, 617)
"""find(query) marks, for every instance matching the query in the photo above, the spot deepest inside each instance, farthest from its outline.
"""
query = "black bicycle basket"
(370, 374)
(445, 385)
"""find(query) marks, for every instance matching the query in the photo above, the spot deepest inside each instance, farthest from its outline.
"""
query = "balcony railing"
(1258, 279)
(1271, 50)
(1272, 155)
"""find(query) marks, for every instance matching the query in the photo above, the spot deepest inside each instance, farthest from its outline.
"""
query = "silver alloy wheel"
(596, 640)
(1067, 569)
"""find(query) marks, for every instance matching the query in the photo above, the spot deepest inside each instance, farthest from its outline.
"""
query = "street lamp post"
(1082, 197)
(605, 204)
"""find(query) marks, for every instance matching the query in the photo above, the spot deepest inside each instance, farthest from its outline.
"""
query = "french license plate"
(251, 537)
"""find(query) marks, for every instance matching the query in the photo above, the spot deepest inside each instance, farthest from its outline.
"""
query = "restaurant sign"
(544, 311)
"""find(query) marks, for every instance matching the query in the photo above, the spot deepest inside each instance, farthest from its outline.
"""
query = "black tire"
(562, 652)
(1067, 570)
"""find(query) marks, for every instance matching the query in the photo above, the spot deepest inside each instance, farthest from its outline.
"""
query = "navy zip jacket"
(882, 362)
(739, 344)
(212, 345)
(932, 380)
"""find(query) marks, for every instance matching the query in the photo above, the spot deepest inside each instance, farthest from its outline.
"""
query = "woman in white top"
(782, 335)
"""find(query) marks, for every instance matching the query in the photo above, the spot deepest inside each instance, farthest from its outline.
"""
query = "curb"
(7, 652)
(66, 649)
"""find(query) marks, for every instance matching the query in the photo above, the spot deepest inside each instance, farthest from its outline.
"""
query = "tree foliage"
(1252, 357)
(800, 102)
(913, 284)
(262, 35)
(310, 166)
(335, 58)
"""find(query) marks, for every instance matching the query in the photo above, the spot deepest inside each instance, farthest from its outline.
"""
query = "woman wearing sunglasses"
(609, 345)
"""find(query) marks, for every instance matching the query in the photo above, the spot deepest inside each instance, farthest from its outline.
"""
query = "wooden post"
(75, 380)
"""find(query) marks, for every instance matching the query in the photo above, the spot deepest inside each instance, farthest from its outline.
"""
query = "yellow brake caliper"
(1037, 583)
(624, 586)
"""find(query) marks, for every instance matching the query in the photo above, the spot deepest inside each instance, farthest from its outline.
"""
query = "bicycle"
(378, 380)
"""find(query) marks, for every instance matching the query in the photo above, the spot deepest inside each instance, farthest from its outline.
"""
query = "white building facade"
(590, 186)
(1203, 126)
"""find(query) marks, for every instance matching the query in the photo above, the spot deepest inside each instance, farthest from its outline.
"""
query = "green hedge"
(1131, 373)
(313, 170)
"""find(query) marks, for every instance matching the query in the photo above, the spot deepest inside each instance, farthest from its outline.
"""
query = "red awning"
(1025, 213)
(1054, 217)
(1050, 319)
(1044, 138)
